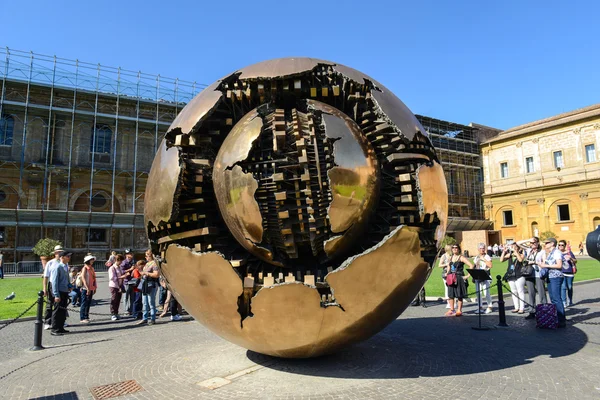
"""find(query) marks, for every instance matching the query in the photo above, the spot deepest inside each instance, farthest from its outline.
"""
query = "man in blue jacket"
(59, 280)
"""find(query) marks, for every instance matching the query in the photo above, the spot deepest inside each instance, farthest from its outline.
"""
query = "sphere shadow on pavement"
(428, 347)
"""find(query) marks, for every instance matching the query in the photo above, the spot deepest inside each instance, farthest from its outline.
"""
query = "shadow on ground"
(60, 396)
(438, 346)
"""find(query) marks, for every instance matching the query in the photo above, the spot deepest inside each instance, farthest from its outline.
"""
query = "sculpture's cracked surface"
(296, 205)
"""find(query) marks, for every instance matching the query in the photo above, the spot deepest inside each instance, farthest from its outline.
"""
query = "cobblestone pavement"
(422, 355)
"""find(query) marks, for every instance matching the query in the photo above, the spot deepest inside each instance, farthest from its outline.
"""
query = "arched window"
(596, 222)
(7, 126)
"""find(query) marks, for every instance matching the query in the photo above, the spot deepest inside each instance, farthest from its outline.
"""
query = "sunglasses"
(562, 245)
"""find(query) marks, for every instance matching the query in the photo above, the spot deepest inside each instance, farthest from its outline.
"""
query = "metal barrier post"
(39, 324)
(501, 313)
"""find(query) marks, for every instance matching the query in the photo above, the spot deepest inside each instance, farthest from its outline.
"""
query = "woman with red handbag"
(455, 280)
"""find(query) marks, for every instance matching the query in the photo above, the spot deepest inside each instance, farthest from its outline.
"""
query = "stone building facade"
(76, 145)
(545, 176)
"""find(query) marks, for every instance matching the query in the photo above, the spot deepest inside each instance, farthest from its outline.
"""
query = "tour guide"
(59, 279)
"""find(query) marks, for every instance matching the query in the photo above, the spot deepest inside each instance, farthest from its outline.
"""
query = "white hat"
(58, 247)
(88, 258)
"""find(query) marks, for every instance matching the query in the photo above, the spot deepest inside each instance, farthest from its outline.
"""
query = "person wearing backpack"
(88, 288)
(75, 293)
(553, 263)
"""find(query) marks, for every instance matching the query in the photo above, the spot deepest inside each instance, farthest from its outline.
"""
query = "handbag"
(574, 269)
(133, 282)
(451, 279)
(527, 270)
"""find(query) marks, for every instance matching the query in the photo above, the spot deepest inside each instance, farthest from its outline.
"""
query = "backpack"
(79, 280)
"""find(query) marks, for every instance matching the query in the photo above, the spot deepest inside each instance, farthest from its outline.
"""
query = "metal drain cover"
(115, 389)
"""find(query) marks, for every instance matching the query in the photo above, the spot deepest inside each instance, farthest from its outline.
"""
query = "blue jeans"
(149, 301)
(86, 301)
(137, 305)
(554, 289)
(75, 296)
(567, 288)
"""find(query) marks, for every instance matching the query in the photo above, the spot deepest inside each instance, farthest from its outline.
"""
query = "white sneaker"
(47, 326)
(114, 318)
(176, 317)
(447, 305)
(488, 310)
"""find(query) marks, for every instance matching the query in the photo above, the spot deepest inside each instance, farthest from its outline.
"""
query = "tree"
(547, 235)
(45, 247)
(448, 240)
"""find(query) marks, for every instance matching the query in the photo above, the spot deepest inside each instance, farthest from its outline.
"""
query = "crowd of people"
(135, 284)
(496, 249)
(540, 269)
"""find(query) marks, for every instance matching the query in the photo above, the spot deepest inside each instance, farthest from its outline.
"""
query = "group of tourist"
(136, 283)
(538, 269)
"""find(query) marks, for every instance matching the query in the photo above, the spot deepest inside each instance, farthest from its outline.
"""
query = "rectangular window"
(2, 235)
(504, 170)
(590, 153)
(558, 160)
(7, 125)
(529, 165)
(97, 235)
(508, 217)
(100, 143)
(563, 212)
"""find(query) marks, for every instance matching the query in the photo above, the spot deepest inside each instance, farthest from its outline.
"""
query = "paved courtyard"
(421, 355)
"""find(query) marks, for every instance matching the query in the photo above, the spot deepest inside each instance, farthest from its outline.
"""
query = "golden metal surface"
(354, 180)
(288, 319)
(162, 185)
(199, 108)
(303, 149)
(235, 189)
(280, 67)
(434, 196)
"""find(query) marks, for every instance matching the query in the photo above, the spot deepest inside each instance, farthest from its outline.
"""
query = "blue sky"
(501, 63)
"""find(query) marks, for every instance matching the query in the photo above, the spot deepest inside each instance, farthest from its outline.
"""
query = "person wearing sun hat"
(88, 288)
(59, 282)
(46, 287)
(553, 262)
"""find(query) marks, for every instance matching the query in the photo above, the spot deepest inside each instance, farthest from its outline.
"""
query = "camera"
(592, 244)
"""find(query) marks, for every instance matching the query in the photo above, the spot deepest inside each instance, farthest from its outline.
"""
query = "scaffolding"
(458, 150)
(76, 144)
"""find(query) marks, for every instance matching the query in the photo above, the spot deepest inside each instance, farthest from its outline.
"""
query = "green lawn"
(26, 290)
(586, 269)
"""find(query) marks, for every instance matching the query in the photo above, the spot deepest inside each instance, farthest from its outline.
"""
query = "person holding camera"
(150, 276)
(569, 268)
(513, 254)
(484, 262)
(534, 282)
(553, 262)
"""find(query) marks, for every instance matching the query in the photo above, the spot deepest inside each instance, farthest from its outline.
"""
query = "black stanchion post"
(501, 313)
(39, 324)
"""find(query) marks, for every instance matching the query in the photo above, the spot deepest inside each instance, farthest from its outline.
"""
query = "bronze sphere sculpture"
(296, 206)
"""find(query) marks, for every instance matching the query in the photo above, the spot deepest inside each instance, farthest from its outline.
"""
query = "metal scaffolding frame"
(133, 105)
(458, 151)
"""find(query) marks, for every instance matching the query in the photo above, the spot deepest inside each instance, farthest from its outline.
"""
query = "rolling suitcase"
(546, 316)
